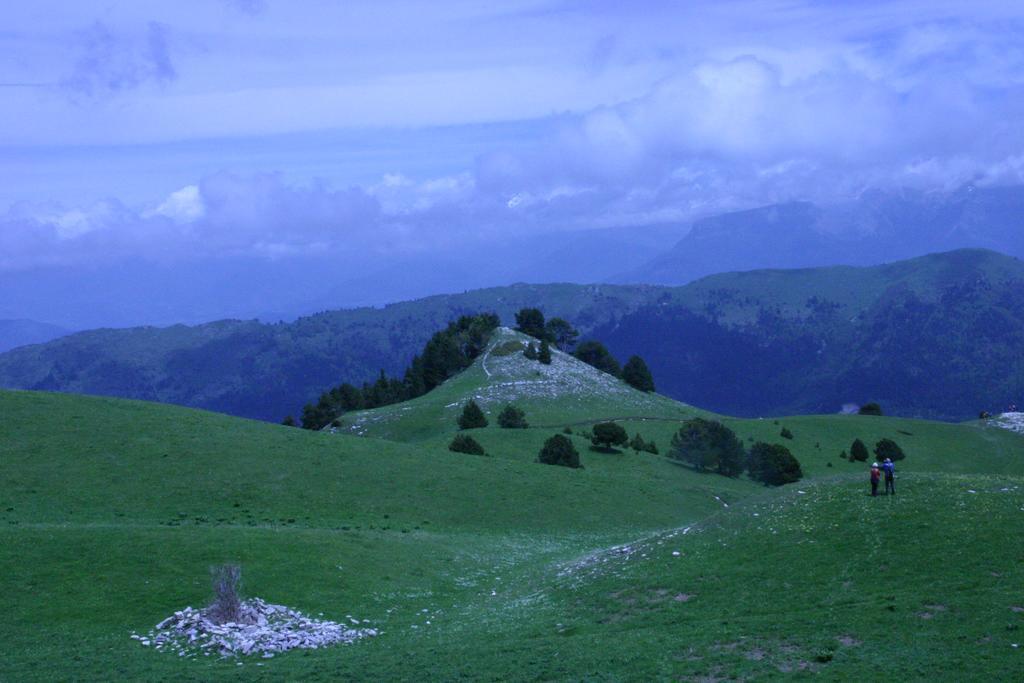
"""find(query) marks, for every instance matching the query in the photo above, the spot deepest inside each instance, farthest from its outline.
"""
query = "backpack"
(890, 469)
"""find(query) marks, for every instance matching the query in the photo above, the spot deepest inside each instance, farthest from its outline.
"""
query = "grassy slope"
(111, 510)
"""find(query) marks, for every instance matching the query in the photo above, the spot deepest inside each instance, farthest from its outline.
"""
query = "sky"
(280, 129)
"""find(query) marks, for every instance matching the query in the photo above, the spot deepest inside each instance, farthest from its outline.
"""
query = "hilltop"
(752, 343)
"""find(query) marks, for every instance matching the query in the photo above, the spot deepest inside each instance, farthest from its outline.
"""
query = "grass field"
(497, 567)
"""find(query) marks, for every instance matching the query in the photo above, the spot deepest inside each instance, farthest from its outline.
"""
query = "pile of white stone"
(1012, 421)
(261, 628)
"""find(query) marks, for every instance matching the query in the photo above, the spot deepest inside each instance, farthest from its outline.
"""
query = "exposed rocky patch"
(1012, 421)
(261, 629)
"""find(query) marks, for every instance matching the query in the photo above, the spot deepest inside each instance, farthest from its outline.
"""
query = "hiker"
(875, 475)
(890, 476)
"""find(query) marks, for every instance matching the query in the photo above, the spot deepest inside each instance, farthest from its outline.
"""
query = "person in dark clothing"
(876, 474)
(890, 476)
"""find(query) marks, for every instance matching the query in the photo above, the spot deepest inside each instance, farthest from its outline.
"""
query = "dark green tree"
(637, 443)
(472, 417)
(464, 443)
(544, 353)
(289, 421)
(561, 333)
(858, 451)
(870, 409)
(595, 354)
(887, 448)
(531, 321)
(651, 447)
(558, 450)
(512, 417)
(608, 434)
(786, 434)
(773, 464)
(708, 445)
(637, 375)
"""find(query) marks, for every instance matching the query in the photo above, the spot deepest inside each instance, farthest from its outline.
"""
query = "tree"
(289, 421)
(561, 333)
(708, 445)
(464, 443)
(637, 375)
(858, 451)
(637, 443)
(786, 434)
(773, 464)
(595, 354)
(512, 417)
(870, 409)
(608, 434)
(544, 353)
(558, 450)
(887, 448)
(472, 417)
(531, 321)
(651, 447)
(531, 351)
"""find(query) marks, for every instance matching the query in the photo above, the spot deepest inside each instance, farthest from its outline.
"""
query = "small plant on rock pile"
(227, 604)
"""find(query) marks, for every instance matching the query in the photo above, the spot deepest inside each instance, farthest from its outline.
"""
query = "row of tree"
(710, 446)
(884, 448)
(447, 352)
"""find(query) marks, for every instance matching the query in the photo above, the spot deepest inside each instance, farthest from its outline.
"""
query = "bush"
(464, 443)
(531, 351)
(786, 434)
(544, 353)
(472, 417)
(858, 451)
(637, 443)
(652, 447)
(512, 418)
(531, 321)
(608, 434)
(289, 421)
(870, 409)
(773, 464)
(559, 450)
(567, 430)
(842, 455)
(595, 354)
(227, 604)
(636, 374)
(887, 448)
(708, 445)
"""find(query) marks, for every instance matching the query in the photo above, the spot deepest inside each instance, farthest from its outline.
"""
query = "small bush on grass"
(512, 417)
(464, 443)
(558, 450)
(608, 434)
(870, 409)
(472, 417)
(773, 464)
(887, 448)
(786, 434)
(858, 451)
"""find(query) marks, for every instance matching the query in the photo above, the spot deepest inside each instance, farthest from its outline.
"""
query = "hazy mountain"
(936, 336)
(877, 227)
(15, 333)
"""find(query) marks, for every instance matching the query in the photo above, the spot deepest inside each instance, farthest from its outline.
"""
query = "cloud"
(110, 63)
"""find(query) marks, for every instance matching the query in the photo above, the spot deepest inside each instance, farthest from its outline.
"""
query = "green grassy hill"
(499, 567)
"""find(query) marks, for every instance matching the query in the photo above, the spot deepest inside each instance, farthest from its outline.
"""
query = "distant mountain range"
(875, 228)
(15, 333)
(938, 336)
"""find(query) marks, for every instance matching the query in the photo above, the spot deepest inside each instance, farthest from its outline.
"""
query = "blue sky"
(144, 129)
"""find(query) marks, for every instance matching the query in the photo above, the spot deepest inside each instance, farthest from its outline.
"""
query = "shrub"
(785, 433)
(512, 418)
(870, 409)
(637, 443)
(567, 430)
(887, 448)
(559, 450)
(335, 423)
(227, 604)
(651, 447)
(289, 421)
(531, 351)
(637, 375)
(531, 321)
(842, 455)
(595, 354)
(773, 464)
(472, 417)
(858, 451)
(544, 353)
(464, 443)
(708, 445)
(608, 434)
